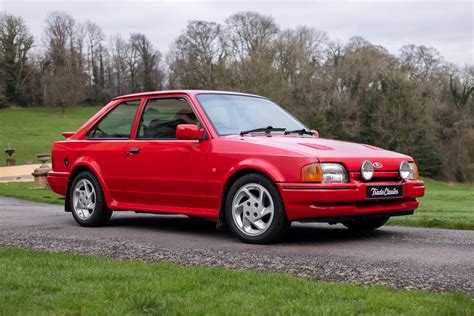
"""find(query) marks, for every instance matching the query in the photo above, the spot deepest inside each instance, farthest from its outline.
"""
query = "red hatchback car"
(237, 158)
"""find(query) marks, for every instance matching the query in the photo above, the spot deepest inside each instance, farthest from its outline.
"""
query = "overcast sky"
(446, 25)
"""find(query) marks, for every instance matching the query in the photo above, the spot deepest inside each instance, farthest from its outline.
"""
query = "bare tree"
(195, 55)
(59, 27)
(120, 51)
(248, 33)
(148, 62)
(298, 51)
(62, 65)
(420, 61)
(94, 39)
(62, 89)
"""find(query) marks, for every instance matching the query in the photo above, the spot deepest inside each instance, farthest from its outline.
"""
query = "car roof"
(188, 92)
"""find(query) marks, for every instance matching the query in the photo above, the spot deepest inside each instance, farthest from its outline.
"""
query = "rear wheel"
(254, 210)
(87, 202)
(366, 224)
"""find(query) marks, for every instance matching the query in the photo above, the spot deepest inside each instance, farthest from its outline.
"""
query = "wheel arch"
(237, 174)
(77, 169)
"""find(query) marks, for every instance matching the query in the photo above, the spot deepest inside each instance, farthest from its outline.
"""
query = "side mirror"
(315, 133)
(189, 132)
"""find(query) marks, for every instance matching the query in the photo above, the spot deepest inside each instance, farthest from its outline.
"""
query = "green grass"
(444, 206)
(32, 131)
(40, 283)
(27, 191)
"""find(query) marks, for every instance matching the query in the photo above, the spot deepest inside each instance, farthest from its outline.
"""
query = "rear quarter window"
(117, 123)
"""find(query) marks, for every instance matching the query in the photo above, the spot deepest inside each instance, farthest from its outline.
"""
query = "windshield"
(232, 114)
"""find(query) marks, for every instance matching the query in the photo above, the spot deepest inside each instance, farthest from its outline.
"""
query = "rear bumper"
(332, 202)
(58, 182)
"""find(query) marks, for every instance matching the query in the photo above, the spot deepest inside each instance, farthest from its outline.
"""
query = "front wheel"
(254, 210)
(366, 224)
(87, 202)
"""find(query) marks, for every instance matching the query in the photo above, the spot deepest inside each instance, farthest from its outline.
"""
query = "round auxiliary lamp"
(367, 170)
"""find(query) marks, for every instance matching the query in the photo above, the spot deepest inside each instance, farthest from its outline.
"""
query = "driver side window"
(161, 117)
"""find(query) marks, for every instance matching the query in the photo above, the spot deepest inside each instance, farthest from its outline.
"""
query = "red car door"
(161, 172)
(106, 142)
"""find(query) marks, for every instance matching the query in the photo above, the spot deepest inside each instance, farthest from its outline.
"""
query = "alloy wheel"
(252, 209)
(84, 199)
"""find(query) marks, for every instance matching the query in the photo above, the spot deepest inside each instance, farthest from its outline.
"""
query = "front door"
(106, 142)
(161, 172)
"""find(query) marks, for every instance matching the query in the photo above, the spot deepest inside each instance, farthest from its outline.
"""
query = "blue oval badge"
(377, 164)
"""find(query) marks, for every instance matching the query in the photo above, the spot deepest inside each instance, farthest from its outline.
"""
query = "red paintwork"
(68, 134)
(188, 132)
(189, 176)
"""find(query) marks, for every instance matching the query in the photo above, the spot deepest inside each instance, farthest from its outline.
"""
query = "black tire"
(100, 215)
(193, 217)
(366, 224)
(279, 225)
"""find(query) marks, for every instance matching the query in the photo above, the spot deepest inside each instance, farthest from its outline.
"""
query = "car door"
(106, 142)
(160, 171)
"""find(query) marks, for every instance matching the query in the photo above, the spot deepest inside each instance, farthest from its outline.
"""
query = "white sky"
(445, 25)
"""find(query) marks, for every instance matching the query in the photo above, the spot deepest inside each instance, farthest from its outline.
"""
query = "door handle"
(134, 150)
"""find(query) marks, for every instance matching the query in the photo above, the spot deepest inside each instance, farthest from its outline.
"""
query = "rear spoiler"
(68, 134)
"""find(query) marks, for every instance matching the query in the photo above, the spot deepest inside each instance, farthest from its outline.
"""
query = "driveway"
(402, 257)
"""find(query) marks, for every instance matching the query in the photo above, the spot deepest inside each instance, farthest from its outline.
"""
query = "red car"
(236, 158)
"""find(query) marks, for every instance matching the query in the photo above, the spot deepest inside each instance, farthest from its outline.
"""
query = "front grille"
(383, 179)
(381, 176)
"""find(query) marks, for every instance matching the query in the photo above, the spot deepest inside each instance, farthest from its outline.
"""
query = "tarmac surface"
(406, 258)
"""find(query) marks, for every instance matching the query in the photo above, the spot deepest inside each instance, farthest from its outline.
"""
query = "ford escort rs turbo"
(236, 158)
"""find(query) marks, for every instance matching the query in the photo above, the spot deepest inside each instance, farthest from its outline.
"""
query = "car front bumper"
(335, 202)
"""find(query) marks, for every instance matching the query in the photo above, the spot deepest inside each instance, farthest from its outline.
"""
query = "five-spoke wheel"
(86, 200)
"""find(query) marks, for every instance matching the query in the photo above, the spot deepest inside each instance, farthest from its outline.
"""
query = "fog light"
(367, 170)
(408, 170)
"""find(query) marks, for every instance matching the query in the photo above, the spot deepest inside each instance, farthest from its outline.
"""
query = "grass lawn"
(444, 206)
(27, 191)
(32, 131)
(34, 282)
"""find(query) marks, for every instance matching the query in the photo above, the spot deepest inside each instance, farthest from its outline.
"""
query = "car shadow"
(168, 223)
(324, 233)
(299, 234)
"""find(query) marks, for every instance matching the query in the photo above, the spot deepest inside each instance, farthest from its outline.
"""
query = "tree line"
(413, 102)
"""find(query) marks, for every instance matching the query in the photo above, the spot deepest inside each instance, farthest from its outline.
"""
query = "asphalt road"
(406, 258)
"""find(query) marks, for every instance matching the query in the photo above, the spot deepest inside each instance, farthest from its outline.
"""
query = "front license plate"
(384, 191)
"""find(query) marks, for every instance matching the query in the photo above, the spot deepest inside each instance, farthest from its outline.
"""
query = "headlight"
(324, 173)
(334, 173)
(367, 170)
(408, 170)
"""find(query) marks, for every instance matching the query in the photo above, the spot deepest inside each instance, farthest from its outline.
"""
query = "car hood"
(326, 150)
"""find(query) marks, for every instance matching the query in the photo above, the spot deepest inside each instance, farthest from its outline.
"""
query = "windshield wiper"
(267, 130)
(299, 131)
